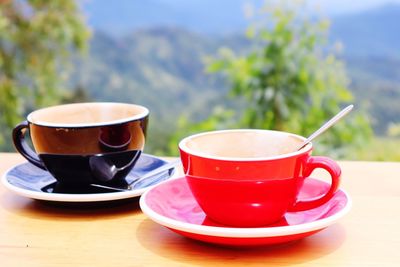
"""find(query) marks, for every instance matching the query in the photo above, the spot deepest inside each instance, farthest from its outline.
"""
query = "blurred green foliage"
(289, 81)
(162, 68)
(379, 148)
(37, 37)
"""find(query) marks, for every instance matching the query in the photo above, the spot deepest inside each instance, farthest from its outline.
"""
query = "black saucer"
(27, 180)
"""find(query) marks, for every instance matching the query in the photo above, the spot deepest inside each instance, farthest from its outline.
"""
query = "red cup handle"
(334, 170)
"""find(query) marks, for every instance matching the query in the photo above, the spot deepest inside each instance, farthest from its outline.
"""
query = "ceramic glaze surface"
(29, 181)
(172, 204)
(66, 138)
(251, 177)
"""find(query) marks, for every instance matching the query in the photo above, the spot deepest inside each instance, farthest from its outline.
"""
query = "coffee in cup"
(251, 178)
(84, 143)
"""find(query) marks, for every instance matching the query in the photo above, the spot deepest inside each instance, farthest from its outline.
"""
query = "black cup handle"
(22, 147)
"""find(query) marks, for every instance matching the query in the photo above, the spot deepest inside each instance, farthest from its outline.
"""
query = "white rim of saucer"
(182, 145)
(256, 232)
(59, 197)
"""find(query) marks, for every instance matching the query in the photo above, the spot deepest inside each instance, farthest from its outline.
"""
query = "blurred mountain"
(215, 17)
(372, 54)
(163, 67)
(370, 33)
(228, 16)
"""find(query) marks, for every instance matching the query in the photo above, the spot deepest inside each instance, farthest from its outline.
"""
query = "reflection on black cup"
(66, 137)
(115, 137)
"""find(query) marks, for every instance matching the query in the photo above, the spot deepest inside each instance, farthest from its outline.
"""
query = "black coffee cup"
(84, 143)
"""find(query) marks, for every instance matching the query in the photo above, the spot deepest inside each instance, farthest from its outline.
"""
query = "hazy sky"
(222, 15)
(348, 6)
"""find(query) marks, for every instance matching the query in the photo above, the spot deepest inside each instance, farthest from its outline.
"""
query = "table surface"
(37, 233)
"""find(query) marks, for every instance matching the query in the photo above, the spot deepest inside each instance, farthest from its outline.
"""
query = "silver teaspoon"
(150, 174)
(326, 125)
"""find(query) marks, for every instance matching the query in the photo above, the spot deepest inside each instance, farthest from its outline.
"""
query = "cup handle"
(22, 147)
(334, 170)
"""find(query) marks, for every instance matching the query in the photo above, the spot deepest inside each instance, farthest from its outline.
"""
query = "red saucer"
(172, 205)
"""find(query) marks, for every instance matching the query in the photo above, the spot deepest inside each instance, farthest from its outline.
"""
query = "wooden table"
(36, 233)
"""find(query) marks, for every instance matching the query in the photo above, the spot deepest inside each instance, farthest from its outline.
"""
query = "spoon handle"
(150, 174)
(327, 125)
(156, 171)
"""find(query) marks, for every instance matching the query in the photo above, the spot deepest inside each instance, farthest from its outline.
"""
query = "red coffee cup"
(251, 178)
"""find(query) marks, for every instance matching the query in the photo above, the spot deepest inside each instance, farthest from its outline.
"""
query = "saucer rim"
(90, 197)
(245, 232)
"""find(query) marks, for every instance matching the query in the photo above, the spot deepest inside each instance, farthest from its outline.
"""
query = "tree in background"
(37, 37)
(289, 81)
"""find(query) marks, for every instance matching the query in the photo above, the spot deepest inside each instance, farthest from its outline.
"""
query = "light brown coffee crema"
(86, 113)
(244, 144)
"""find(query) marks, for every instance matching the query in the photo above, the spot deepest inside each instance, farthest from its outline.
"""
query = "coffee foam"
(87, 114)
(243, 144)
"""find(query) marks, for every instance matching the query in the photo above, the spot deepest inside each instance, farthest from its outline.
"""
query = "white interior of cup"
(87, 114)
(243, 144)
